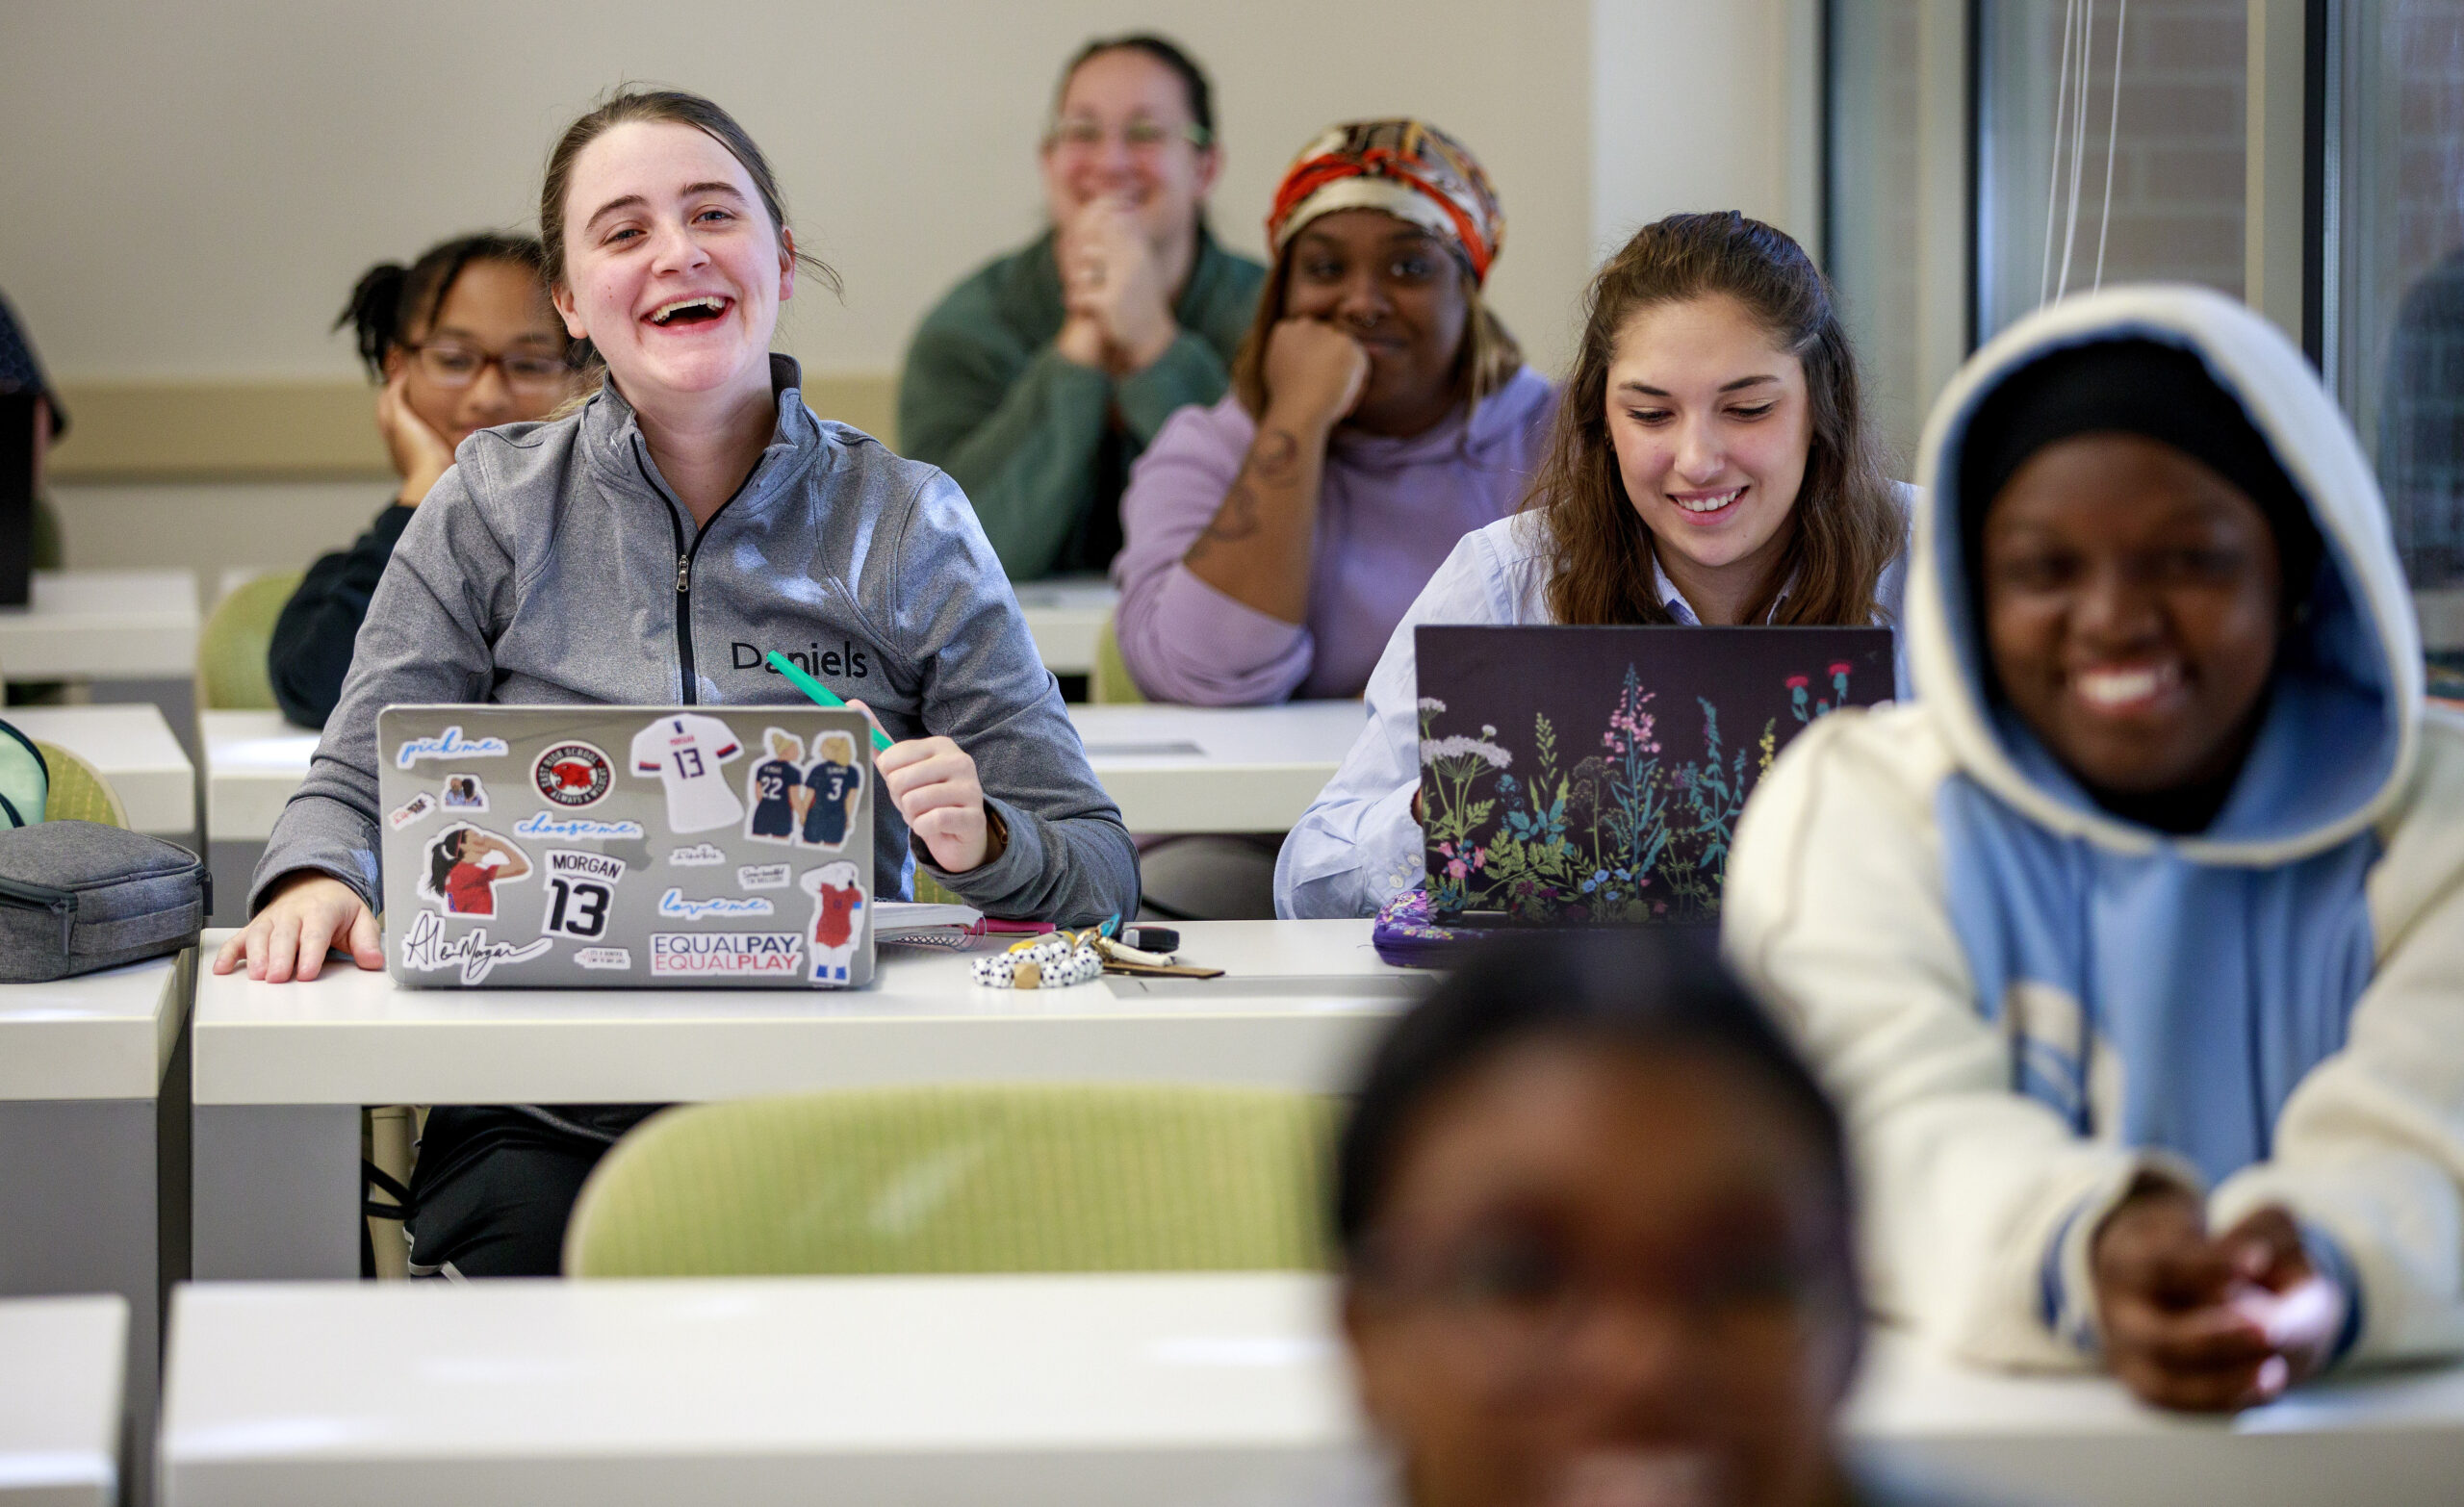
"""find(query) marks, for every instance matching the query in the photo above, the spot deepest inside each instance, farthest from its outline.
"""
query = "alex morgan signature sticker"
(573, 774)
(426, 949)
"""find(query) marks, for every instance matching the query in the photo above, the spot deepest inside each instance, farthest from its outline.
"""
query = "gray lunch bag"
(76, 897)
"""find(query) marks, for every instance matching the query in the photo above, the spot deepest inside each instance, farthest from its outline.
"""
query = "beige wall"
(1704, 105)
(222, 172)
(198, 186)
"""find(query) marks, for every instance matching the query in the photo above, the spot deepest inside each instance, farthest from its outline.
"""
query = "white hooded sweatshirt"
(2023, 1001)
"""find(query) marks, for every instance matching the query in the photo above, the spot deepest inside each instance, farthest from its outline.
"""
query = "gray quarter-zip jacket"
(553, 565)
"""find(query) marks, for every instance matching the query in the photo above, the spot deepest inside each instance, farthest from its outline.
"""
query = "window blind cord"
(2113, 134)
(2078, 149)
(2053, 184)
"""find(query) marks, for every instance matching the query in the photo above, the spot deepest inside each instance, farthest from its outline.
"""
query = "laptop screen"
(1593, 776)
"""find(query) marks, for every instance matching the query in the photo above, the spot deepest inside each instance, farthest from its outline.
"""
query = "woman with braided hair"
(1378, 412)
(462, 340)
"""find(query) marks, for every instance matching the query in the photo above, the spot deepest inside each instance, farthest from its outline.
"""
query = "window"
(2396, 272)
(1896, 235)
(2176, 144)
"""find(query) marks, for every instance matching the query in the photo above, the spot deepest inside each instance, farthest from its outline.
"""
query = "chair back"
(964, 1178)
(1110, 683)
(930, 891)
(231, 650)
(79, 792)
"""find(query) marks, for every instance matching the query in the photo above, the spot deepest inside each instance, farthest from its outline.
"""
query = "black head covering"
(2133, 386)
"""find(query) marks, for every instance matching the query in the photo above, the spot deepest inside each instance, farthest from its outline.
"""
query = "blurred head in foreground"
(1596, 1228)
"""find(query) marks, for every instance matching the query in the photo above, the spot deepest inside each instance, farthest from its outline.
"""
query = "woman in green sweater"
(1037, 380)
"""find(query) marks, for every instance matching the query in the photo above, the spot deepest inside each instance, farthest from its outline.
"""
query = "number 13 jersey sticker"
(684, 752)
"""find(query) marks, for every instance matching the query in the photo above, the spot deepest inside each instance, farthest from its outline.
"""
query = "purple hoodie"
(1389, 511)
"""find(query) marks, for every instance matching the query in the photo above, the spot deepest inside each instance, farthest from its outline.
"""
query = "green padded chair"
(78, 793)
(231, 650)
(1110, 683)
(930, 891)
(971, 1178)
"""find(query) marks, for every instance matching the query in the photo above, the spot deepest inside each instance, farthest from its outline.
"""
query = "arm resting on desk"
(2370, 1148)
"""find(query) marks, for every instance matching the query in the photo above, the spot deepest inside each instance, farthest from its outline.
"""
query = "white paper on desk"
(896, 917)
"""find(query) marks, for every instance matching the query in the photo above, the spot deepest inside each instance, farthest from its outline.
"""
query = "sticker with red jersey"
(837, 891)
(573, 773)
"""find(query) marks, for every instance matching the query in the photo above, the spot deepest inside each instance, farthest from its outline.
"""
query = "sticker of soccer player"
(465, 865)
(837, 894)
(775, 790)
(832, 784)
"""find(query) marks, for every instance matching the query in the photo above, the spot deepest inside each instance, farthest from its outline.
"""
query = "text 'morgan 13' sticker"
(582, 890)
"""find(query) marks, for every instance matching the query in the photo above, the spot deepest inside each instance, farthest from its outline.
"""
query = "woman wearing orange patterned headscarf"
(1378, 412)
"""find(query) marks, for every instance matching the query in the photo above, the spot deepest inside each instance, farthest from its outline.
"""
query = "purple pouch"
(1405, 936)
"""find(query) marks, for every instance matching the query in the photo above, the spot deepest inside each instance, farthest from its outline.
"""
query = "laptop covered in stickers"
(627, 846)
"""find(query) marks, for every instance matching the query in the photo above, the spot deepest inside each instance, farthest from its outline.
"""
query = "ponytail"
(374, 313)
(441, 855)
(392, 304)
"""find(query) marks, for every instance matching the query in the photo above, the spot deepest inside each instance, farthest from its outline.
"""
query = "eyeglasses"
(1512, 1307)
(1086, 133)
(450, 365)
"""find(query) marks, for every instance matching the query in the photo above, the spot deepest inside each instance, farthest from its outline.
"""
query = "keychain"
(1066, 957)
(1052, 961)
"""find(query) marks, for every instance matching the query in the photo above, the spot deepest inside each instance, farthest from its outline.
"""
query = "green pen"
(820, 694)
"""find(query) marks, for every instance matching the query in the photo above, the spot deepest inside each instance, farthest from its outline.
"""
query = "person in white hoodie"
(2134, 946)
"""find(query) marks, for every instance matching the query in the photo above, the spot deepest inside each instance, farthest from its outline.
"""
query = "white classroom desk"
(253, 762)
(1065, 614)
(133, 749)
(1051, 1390)
(93, 1121)
(281, 1071)
(103, 626)
(1217, 769)
(1030, 1392)
(1224, 769)
(63, 1384)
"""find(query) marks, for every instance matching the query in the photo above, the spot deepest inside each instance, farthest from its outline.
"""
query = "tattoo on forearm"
(1275, 457)
(1275, 461)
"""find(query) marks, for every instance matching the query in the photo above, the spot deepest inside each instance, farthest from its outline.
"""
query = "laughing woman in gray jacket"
(651, 545)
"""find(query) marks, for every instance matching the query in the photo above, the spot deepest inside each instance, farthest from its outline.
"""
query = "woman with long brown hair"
(1711, 463)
